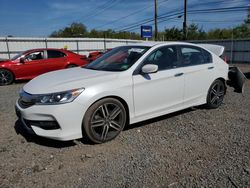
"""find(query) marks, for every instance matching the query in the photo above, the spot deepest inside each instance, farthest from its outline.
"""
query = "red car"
(32, 63)
(94, 55)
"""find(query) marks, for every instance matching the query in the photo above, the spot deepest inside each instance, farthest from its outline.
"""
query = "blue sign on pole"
(146, 31)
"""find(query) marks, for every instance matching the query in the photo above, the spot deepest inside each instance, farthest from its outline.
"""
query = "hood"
(67, 79)
(4, 60)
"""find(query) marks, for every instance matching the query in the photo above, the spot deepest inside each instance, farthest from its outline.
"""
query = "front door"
(33, 65)
(161, 92)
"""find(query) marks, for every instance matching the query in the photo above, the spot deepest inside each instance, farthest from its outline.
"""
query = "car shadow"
(160, 118)
(21, 81)
(40, 140)
(63, 144)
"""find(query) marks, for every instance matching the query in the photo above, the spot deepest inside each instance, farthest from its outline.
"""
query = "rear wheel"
(216, 94)
(104, 120)
(6, 77)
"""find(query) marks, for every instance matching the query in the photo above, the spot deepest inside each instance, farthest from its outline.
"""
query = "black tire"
(104, 120)
(71, 66)
(6, 77)
(216, 94)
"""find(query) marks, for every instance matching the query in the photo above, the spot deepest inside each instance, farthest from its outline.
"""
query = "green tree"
(74, 30)
(195, 33)
(173, 33)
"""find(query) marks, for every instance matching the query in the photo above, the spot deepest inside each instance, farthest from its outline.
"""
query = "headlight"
(57, 98)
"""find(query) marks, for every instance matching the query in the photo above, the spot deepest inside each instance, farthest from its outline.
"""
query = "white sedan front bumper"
(68, 118)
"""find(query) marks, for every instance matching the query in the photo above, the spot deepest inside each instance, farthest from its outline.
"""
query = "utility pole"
(185, 21)
(156, 16)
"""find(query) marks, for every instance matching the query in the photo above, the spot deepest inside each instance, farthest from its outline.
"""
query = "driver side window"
(34, 56)
(165, 58)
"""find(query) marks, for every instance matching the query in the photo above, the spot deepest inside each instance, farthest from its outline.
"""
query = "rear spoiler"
(216, 49)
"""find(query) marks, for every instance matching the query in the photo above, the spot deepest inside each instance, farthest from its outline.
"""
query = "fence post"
(46, 43)
(7, 46)
(77, 46)
(232, 47)
(104, 40)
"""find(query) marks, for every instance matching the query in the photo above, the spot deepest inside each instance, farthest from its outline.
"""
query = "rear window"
(55, 54)
(207, 57)
(194, 56)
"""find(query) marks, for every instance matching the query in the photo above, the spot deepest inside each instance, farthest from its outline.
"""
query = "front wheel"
(6, 77)
(216, 94)
(104, 120)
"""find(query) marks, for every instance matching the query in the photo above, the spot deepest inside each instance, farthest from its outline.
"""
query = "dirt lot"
(192, 148)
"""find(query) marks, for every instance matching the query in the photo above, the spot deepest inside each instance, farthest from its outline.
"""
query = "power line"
(173, 11)
(174, 18)
(150, 20)
(144, 21)
(97, 8)
(191, 20)
(215, 21)
(205, 11)
(133, 13)
(166, 14)
(109, 4)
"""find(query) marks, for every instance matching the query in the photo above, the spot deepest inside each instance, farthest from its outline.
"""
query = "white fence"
(11, 46)
(236, 50)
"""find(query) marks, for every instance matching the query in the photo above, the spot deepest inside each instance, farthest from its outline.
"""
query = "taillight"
(225, 59)
(83, 57)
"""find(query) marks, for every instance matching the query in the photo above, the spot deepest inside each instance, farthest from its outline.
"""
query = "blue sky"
(39, 18)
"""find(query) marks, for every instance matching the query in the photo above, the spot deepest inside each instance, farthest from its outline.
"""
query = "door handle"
(179, 74)
(210, 67)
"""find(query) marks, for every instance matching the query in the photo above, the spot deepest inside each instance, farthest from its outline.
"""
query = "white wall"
(11, 46)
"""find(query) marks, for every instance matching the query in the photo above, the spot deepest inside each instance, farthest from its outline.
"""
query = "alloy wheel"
(107, 121)
(217, 93)
(6, 77)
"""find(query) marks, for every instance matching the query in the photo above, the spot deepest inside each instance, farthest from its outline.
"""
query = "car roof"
(151, 44)
(37, 49)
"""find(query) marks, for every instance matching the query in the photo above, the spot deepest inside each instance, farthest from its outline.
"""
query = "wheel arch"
(120, 99)
(14, 76)
(124, 103)
(224, 82)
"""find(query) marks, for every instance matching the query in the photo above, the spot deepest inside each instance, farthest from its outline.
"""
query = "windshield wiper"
(91, 68)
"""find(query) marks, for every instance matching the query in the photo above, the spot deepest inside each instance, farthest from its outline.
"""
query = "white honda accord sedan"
(126, 85)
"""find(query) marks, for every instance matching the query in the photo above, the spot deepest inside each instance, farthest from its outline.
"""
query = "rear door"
(55, 60)
(198, 69)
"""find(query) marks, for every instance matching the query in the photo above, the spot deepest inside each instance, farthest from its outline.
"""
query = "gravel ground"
(192, 148)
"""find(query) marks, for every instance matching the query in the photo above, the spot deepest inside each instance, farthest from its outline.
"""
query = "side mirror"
(21, 60)
(149, 68)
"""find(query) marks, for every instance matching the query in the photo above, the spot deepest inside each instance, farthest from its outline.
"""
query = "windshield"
(17, 56)
(118, 59)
